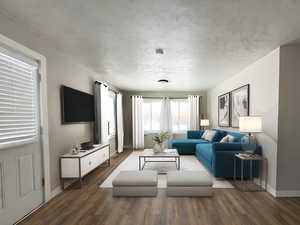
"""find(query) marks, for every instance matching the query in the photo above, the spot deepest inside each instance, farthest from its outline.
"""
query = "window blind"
(18, 101)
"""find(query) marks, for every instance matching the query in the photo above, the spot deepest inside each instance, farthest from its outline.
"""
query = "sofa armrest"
(217, 146)
(194, 134)
(223, 165)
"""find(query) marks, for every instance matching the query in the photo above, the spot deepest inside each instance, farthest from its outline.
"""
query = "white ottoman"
(189, 183)
(135, 183)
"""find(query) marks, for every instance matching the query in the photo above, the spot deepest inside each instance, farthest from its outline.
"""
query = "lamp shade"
(250, 124)
(204, 122)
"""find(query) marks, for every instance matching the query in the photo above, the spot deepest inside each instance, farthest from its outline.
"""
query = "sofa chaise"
(216, 156)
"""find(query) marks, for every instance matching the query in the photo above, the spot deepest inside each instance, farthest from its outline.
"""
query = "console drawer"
(104, 154)
(90, 162)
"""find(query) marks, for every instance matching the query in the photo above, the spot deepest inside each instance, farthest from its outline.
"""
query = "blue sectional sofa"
(216, 156)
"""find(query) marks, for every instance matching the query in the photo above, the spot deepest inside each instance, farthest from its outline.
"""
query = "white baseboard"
(279, 194)
(58, 189)
(55, 192)
(270, 189)
(289, 193)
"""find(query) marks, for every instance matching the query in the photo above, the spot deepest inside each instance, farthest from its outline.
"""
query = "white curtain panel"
(137, 122)
(120, 129)
(165, 115)
(194, 112)
(104, 97)
(166, 119)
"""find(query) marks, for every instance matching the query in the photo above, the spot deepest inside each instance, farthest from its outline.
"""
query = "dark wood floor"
(93, 205)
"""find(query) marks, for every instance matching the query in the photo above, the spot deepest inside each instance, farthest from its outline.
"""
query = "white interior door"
(21, 170)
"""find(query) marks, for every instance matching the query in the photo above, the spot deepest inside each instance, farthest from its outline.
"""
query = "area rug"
(188, 162)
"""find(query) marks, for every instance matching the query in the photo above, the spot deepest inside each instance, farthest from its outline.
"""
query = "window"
(111, 114)
(151, 108)
(179, 114)
(18, 101)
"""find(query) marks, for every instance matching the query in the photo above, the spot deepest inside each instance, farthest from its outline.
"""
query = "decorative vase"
(158, 148)
(74, 151)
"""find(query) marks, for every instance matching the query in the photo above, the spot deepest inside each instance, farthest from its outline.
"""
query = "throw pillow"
(228, 138)
(224, 139)
(204, 134)
(231, 138)
(210, 134)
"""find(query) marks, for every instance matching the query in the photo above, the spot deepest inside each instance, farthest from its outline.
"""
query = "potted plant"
(159, 139)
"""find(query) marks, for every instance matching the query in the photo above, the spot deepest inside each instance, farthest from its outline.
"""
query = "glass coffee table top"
(164, 153)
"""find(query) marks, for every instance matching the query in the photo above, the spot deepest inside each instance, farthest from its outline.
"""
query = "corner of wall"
(263, 77)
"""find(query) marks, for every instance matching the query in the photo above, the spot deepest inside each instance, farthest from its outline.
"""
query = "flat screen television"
(76, 106)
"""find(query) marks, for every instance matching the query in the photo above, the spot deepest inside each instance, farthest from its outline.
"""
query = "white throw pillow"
(209, 135)
(231, 138)
(204, 134)
(224, 139)
(228, 138)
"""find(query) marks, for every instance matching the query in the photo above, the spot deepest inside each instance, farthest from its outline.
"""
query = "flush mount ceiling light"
(159, 51)
(163, 81)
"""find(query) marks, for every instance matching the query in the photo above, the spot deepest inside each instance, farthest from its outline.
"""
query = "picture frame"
(224, 113)
(240, 102)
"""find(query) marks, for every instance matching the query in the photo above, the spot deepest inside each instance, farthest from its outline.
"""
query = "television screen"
(77, 106)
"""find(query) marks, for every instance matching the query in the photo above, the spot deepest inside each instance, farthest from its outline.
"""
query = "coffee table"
(148, 156)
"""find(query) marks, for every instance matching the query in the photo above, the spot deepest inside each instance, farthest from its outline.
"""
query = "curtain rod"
(106, 85)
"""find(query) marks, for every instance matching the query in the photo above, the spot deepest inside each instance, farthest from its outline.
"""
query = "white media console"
(77, 166)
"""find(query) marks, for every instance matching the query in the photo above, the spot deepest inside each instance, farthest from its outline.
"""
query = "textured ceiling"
(205, 41)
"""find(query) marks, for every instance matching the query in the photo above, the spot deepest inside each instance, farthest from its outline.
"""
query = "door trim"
(6, 42)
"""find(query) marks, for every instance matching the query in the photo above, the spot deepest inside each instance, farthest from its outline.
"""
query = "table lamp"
(204, 123)
(250, 125)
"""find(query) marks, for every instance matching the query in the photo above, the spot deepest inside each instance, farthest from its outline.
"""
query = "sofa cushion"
(194, 134)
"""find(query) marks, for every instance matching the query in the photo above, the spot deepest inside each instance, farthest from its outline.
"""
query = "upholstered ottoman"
(189, 183)
(135, 183)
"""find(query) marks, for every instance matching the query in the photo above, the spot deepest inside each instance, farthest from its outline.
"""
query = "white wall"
(263, 77)
(61, 69)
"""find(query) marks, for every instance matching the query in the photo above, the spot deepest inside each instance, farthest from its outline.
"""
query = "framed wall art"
(224, 110)
(239, 104)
